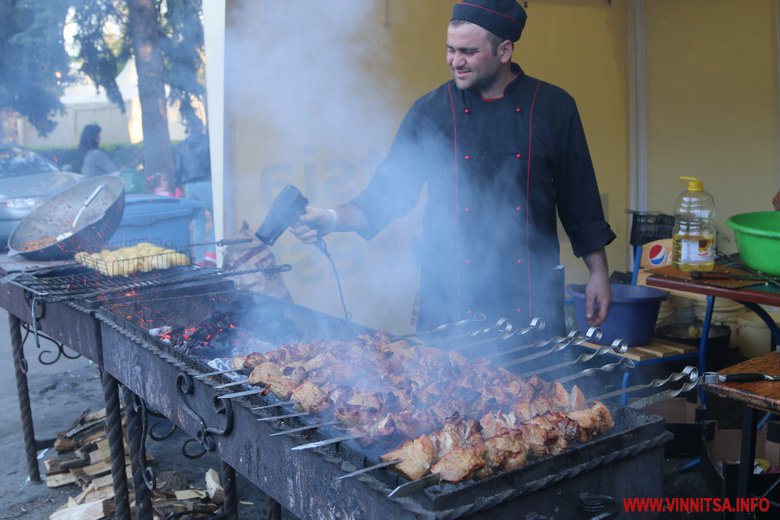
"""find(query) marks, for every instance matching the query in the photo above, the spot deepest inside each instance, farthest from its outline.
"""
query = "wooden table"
(758, 396)
(750, 293)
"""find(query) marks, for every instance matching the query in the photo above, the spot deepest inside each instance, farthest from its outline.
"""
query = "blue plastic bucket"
(631, 317)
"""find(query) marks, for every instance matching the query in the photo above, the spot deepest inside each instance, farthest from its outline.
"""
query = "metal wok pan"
(49, 233)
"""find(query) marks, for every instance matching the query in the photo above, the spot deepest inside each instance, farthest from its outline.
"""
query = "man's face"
(470, 57)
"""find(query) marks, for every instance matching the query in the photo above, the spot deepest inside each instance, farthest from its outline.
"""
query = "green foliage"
(183, 51)
(33, 62)
(100, 55)
(32, 50)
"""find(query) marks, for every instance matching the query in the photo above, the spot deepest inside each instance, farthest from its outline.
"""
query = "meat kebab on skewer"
(435, 410)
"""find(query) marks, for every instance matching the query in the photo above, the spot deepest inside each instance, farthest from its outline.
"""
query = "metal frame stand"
(230, 506)
(143, 496)
(748, 454)
(20, 368)
(116, 445)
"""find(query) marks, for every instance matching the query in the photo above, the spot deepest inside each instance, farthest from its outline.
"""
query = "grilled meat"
(451, 415)
(593, 420)
(416, 457)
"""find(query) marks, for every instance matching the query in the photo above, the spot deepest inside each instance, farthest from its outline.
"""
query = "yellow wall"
(712, 103)
(328, 148)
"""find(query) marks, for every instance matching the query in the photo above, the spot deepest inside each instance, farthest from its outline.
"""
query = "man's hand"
(597, 296)
(314, 223)
(597, 292)
(776, 200)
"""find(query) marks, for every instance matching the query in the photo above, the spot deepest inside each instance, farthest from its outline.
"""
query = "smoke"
(309, 75)
(302, 68)
(312, 106)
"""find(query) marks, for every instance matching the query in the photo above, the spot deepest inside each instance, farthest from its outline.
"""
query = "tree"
(164, 36)
(145, 37)
(33, 61)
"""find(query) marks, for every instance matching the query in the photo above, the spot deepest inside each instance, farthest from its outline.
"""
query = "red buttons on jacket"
(467, 157)
(518, 155)
(518, 208)
(519, 261)
(466, 110)
(466, 209)
(518, 109)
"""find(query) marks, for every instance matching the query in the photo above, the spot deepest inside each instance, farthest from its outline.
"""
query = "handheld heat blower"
(288, 206)
(285, 210)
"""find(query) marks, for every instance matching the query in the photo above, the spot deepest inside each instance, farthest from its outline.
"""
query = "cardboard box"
(676, 411)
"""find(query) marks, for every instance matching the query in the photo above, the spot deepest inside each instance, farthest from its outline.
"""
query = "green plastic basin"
(758, 239)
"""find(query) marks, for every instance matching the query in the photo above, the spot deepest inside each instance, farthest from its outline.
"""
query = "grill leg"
(748, 454)
(230, 507)
(274, 509)
(20, 367)
(116, 445)
(143, 497)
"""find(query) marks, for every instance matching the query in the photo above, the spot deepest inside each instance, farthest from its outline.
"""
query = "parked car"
(26, 179)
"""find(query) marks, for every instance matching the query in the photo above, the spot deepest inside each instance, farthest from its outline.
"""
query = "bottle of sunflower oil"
(693, 238)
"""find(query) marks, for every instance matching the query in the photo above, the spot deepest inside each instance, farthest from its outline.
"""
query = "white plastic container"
(755, 339)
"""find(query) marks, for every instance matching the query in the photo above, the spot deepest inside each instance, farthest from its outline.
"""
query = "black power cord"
(320, 244)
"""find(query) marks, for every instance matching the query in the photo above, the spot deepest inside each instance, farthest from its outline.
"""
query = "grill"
(66, 283)
(109, 320)
(305, 482)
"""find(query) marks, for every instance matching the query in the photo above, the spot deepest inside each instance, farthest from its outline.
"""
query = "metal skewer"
(280, 403)
(217, 372)
(415, 485)
(281, 417)
(689, 373)
(326, 442)
(253, 391)
(609, 367)
(555, 340)
(477, 318)
(370, 468)
(234, 383)
(304, 428)
(664, 395)
(506, 331)
(578, 339)
(619, 346)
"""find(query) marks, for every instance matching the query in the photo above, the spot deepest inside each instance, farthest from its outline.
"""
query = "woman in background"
(91, 160)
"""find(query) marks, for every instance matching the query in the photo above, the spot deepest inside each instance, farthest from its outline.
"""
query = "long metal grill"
(63, 283)
(633, 434)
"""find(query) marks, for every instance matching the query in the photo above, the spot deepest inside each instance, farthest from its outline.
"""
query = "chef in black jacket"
(500, 152)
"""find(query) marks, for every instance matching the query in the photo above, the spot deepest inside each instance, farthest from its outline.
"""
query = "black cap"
(504, 18)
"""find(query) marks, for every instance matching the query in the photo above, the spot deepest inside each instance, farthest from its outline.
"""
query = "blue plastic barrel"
(632, 316)
(154, 218)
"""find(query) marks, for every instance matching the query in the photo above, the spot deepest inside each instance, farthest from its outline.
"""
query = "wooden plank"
(657, 349)
(100, 414)
(97, 510)
(97, 469)
(651, 350)
(92, 494)
(190, 494)
(60, 479)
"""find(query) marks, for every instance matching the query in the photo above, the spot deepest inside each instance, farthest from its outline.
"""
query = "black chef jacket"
(496, 171)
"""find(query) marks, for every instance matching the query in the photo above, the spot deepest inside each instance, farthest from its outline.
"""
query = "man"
(500, 152)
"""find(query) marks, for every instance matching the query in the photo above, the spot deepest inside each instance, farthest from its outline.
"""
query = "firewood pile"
(81, 457)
